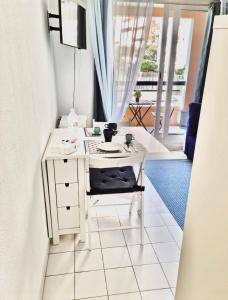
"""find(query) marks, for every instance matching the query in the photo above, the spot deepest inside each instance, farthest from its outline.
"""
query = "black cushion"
(113, 181)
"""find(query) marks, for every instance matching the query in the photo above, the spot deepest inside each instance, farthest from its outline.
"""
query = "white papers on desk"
(64, 148)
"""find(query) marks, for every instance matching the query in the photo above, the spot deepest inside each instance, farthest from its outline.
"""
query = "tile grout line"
(158, 243)
(59, 274)
(114, 268)
(127, 246)
(174, 240)
(145, 228)
(60, 252)
(74, 264)
(146, 243)
(173, 292)
(160, 214)
(103, 267)
(174, 237)
(131, 263)
(162, 269)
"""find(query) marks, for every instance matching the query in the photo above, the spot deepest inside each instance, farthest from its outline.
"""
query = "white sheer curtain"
(119, 32)
(101, 33)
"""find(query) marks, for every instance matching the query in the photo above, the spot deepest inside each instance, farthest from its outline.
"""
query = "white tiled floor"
(118, 267)
(116, 257)
(121, 280)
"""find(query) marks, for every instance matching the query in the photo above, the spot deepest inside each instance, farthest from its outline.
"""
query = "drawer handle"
(66, 184)
(65, 160)
(68, 207)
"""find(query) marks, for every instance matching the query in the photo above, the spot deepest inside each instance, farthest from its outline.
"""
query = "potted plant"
(149, 66)
(137, 95)
(180, 72)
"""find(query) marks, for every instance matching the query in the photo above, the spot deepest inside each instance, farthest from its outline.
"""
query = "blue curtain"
(214, 10)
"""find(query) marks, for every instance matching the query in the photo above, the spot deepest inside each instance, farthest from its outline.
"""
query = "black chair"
(108, 176)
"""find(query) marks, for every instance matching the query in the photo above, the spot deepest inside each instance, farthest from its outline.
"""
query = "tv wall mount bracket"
(52, 16)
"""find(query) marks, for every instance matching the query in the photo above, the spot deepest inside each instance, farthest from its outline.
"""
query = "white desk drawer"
(68, 217)
(67, 194)
(66, 170)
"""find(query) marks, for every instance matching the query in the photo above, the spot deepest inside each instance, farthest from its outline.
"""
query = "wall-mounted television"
(72, 22)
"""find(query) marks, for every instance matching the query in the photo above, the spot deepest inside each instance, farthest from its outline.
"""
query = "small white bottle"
(72, 123)
(72, 118)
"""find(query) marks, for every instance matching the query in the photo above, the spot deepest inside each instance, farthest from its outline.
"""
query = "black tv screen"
(72, 24)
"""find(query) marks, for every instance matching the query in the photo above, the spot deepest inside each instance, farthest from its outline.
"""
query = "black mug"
(108, 133)
(112, 126)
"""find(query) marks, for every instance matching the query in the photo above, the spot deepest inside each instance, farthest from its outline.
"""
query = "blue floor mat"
(171, 179)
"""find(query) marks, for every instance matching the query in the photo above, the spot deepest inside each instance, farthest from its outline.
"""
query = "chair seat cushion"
(113, 181)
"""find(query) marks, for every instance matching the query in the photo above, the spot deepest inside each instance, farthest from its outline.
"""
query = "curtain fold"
(224, 7)
(98, 111)
(119, 32)
(101, 33)
(132, 22)
(214, 10)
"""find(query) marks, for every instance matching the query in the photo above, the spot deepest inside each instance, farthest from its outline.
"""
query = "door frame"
(176, 8)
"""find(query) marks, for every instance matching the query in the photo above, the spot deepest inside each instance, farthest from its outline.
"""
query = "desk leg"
(82, 191)
(141, 117)
(52, 195)
(145, 113)
(47, 200)
(140, 122)
(137, 115)
(134, 112)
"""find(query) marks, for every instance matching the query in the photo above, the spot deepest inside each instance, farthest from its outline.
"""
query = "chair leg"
(139, 205)
(132, 204)
(89, 223)
(142, 218)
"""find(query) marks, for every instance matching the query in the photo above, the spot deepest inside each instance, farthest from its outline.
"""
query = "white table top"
(55, 141)
(150, 144)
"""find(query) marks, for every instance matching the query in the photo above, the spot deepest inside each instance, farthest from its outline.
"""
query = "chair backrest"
(95, 161)
(99, 162)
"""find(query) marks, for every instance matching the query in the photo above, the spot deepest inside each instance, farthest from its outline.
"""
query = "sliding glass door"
(182, 33)
(168, 71)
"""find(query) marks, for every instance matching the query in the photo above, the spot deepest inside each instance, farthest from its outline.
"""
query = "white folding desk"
(64, 178)
(64, 186)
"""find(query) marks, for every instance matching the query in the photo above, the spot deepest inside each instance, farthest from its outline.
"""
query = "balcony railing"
(149, 90)
(140, 85)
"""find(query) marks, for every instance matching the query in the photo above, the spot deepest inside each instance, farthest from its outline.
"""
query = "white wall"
(203, 273)
(64, 70)
(27, 115)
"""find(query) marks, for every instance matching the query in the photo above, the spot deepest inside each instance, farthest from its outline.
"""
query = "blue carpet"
(171, 179)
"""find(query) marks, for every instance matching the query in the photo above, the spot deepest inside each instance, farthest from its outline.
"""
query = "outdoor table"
(136, 109)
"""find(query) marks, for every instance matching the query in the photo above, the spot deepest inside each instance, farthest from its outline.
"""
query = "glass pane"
(150, 64)
(182, 60)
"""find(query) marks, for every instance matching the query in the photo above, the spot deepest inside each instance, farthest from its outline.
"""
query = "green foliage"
(151, 52)
(149, 66)
(180, 71)
(137, 94)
